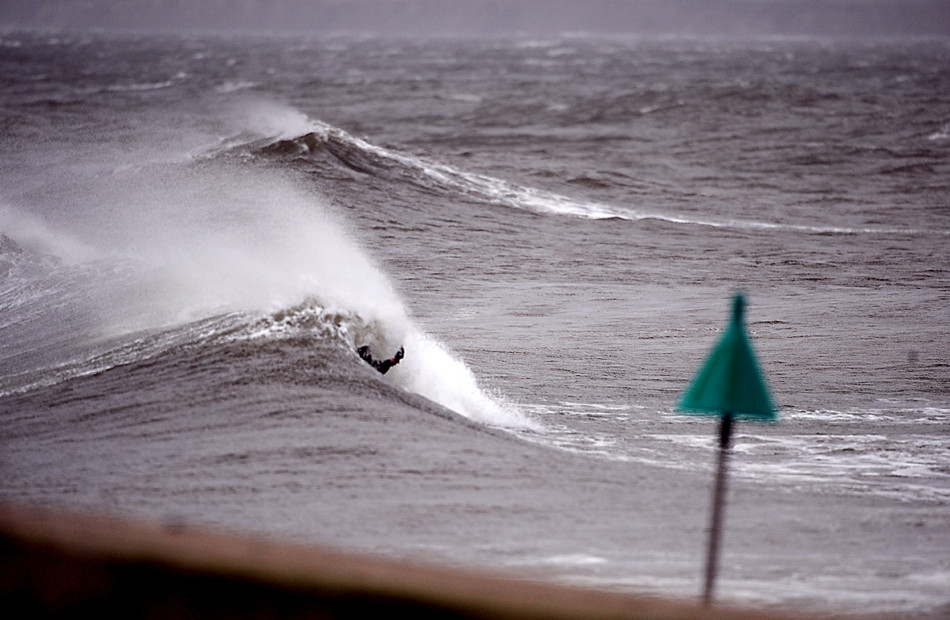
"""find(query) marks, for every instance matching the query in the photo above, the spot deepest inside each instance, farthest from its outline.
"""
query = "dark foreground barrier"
(61, 565)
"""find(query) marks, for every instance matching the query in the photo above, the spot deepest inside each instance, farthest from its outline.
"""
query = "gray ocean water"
(198, 231)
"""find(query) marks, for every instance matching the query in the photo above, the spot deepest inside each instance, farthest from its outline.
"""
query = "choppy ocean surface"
(199, 231)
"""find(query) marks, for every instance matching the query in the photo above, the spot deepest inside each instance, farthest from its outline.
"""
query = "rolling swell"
(335, 146)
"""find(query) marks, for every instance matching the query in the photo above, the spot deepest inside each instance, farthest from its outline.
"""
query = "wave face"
(198, 233)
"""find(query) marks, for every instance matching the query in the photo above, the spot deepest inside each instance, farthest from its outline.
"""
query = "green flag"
(729, 381)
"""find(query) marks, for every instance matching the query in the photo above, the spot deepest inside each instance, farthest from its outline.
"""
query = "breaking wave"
(303, 137)
(170, 245)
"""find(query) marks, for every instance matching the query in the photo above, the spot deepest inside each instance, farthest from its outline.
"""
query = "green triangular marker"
(728, 385)
(729, 380)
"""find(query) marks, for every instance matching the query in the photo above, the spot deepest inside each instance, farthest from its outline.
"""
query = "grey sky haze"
(486, 17)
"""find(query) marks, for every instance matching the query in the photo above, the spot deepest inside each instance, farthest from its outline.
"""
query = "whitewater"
(198, 232)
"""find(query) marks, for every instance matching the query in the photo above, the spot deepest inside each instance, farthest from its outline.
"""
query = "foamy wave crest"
(364, 156)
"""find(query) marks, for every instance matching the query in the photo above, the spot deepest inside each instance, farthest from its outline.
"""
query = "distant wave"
(142, 86)
(235, 86)
(367, 158)
(940, 135)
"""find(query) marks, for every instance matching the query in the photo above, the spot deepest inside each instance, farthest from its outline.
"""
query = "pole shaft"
(712, 558)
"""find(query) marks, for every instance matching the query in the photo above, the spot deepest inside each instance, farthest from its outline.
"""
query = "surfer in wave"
(382, 366)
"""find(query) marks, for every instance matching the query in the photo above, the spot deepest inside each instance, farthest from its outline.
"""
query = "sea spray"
(200, 240)
(434, 372)
(32, 233)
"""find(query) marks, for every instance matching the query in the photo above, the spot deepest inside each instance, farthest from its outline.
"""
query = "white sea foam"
(431, 370)
(572, 559)
(235, 86)
(905, 467)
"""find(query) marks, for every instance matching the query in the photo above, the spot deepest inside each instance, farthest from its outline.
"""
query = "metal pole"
(725, 433)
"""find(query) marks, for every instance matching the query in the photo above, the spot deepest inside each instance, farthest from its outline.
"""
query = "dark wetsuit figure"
(382, 366)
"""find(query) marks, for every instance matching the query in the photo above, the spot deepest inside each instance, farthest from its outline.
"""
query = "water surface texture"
(198, 232)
